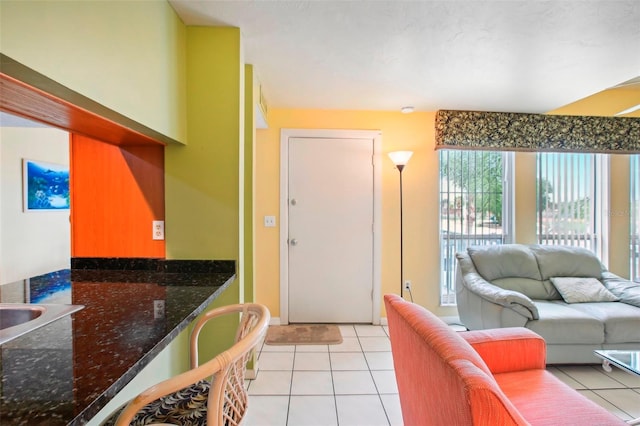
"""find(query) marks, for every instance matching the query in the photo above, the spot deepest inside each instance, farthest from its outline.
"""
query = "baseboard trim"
(250, 374)
(274, 321)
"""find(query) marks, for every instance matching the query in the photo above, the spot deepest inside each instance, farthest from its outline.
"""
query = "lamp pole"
(400, 159)
(400, 167)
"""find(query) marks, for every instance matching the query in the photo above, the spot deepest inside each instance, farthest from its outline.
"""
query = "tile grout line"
(374, 380)
(333, 383)
(619, 408)
(293, 366)
(594, 389)
(394, 375)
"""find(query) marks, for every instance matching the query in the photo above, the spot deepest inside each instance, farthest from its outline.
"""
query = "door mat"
(298, 334)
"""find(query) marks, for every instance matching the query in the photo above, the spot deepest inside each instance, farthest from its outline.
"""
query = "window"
(635, 216)
(571, 195)
(475, 201)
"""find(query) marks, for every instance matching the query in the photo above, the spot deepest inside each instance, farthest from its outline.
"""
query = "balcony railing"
(451, 244)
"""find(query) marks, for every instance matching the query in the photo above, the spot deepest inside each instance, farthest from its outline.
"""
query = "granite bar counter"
(65, 372)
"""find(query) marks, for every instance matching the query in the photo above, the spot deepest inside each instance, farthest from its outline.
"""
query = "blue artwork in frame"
(45, 185)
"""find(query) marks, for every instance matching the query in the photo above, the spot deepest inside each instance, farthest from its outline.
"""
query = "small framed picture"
(45, 186)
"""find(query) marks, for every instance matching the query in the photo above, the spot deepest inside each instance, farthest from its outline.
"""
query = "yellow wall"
(608, 102)
(125, 55)
(619, 216)
(525, 198)
(420, 194)
(413, 132)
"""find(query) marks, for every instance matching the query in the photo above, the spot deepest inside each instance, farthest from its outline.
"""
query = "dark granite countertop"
(65, 372)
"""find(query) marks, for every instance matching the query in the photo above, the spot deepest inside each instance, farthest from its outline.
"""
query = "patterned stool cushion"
(187, 407)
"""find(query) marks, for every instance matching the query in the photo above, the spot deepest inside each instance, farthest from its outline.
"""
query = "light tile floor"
(354, 384)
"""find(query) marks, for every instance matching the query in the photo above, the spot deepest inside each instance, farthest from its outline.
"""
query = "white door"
(330, 214)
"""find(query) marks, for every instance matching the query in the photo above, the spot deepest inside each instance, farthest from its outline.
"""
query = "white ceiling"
(511, 55)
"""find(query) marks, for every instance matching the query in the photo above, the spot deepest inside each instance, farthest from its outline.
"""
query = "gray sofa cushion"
(504, 261)
(533, 289)
(512, 267)
(563, 324)
(627, 291)
(621, 321)
(582, 289)
(563, 261)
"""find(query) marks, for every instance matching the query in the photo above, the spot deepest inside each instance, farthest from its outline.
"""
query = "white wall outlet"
(407, 285)
(158, 309)
(269, 221)
(158, 230)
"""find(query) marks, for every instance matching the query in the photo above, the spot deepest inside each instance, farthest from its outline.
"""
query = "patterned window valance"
(506, 131)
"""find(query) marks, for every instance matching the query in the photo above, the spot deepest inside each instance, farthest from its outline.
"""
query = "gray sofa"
(511, 285)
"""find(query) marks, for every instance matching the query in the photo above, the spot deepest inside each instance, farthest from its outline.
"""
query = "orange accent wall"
(116, 193)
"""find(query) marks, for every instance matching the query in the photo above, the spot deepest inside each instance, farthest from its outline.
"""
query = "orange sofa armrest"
(508, 349)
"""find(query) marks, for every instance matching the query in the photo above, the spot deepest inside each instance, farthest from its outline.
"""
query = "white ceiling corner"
(521, 56)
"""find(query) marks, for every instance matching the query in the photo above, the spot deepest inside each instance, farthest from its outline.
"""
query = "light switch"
(269, 221)
(158, 230)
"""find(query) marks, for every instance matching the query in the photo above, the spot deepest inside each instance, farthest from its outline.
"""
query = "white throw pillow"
(582, 289)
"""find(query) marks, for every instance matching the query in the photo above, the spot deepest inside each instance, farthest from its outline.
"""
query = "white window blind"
(570, 200)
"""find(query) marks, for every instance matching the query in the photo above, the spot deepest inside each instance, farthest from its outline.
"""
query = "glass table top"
(626, 360)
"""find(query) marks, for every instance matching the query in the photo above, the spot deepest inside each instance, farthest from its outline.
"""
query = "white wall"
(31, 243)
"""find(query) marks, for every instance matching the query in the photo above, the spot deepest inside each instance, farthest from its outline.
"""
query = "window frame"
(447, 251)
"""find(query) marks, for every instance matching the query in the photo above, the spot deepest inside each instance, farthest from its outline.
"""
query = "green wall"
(126, 55)
(203, 180)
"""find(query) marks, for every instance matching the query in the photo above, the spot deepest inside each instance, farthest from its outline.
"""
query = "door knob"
(293, 242)
(293, 202)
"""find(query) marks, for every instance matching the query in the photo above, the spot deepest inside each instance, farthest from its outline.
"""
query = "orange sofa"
(484, 378)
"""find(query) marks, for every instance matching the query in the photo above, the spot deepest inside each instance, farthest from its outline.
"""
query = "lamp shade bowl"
(400, 158)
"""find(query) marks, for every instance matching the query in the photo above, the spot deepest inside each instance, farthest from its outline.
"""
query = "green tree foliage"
(478, 173)
(545, 190)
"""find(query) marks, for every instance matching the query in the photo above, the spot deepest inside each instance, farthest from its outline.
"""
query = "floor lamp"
(400, 159)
